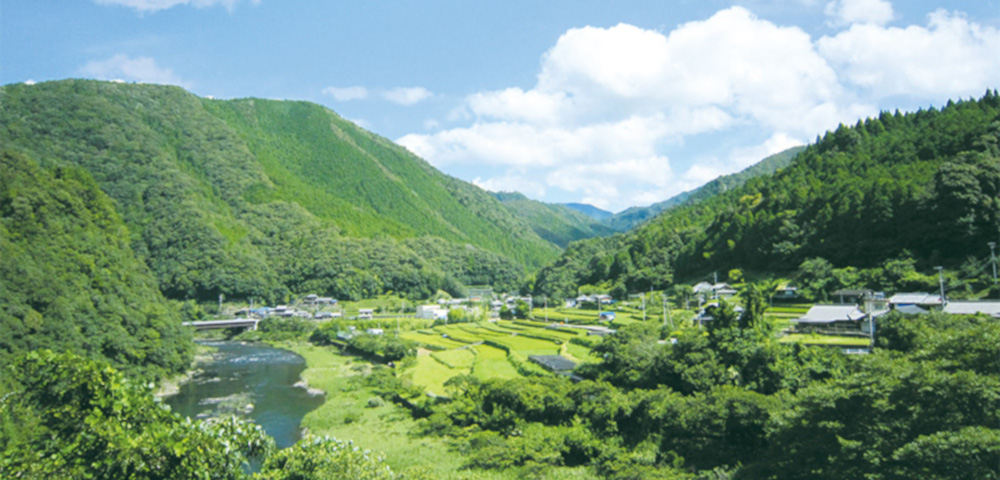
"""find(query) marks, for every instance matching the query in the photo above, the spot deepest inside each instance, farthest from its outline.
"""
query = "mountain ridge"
(260, 198)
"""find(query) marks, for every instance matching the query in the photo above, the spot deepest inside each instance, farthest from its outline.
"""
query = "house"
(991, 308)
(923, 300)
(718, 290)
(606, 316)
(313, 299)
(837, 318)
(374, 331)
(366, 313)
(431, 312)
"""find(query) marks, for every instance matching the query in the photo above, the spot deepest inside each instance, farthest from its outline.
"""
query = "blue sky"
(610, 103)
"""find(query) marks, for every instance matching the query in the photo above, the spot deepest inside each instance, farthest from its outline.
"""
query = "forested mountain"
(69, 278)
(633, 216)
(924, 185)
(558, 224)
(259, 198)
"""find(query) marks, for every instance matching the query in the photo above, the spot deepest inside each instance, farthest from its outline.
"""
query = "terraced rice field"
(491, 362)
(482, 350)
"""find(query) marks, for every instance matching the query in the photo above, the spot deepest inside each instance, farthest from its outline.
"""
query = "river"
(256, 381)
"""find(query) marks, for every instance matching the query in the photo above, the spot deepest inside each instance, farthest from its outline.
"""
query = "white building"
(431, 312)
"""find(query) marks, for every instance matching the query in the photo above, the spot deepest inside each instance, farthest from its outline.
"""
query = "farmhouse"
(366, 313)
(991, 308)
(431, 312)
(923, 300)
(836, 319)
(718, 290)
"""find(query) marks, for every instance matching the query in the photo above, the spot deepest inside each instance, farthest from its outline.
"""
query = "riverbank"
(351, 412)
(171, 386)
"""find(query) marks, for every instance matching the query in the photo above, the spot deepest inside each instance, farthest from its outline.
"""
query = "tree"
(814, 276)
(325, 458)
(68, 417)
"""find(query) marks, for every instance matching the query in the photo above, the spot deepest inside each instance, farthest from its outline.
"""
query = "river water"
(255, 381)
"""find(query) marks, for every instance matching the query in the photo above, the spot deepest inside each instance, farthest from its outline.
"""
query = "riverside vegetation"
(123, 205)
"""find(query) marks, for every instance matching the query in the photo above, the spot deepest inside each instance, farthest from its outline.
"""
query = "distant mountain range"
(634, 216)
(589, 210)
(561, 224)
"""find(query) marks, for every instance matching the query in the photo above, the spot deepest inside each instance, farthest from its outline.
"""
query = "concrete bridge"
(249, 323)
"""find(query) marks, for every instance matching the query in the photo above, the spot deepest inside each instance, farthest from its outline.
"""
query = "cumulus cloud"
(511, 183)
(949, 57)
(122, 67)
(148, 6)
(407, 96)
(846, 12)
(346, 94)
(612, 106)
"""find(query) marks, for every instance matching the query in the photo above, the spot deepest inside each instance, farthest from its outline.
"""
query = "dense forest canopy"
(923, 185)
(259, 198)
(70, 279)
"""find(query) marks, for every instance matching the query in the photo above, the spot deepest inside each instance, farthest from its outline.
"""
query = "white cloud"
(346, 94)
(950, 57)
(145, 6)
(407, 96)
(512, 183)
(516, 104)
(122, 67)
(847, 12)
(612, 106)
(30, 82)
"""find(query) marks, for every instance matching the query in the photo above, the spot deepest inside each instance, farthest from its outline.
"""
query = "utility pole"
(546, 300)
(644, 307)
(993, 258)
(941, 280)
(221, 296)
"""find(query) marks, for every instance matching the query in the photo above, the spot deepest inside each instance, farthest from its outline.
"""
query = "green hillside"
(558, 224)
(923, 186)
(258, 197)
(70, 278)
(633, 216)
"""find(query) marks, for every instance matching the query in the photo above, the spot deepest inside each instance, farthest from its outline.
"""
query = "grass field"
(388, 429)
